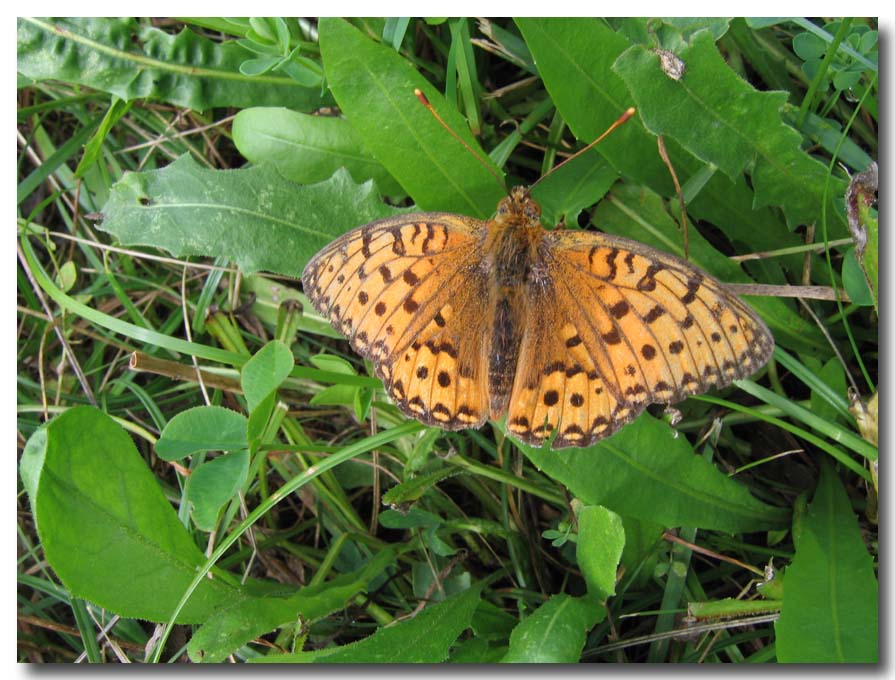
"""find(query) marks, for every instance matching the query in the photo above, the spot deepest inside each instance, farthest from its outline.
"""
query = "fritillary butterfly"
(570, 333)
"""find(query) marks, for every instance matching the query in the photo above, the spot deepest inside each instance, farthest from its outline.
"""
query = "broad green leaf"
(830, 599)
(721, 119)
(426, 638)
(265, 372)
(106, 527)
(374, 87)
(601, 539)
(307, 149)
(730, 206)
(555, 632)
(574, 57)
(136, 61)
(235, 625)
(254, 217)
(645, 462)
(213, 483)
(202, 428)
(579, 184)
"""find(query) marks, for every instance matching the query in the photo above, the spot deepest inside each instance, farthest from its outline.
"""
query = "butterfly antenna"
(425, 102)
(621, 120)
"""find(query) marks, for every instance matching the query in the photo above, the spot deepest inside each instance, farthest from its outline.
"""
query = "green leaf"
(689, 25)
(426, 638)
(832, 376)
(577, 185)
(106, 527)
(213, 483)
(601, 539)
(645, 461)
(555, 632)
(236, 625)
(374, 87)
(413, 489)
(67, 276)
(854, 281)
(254, 216)
(574, 57)
(641, 537)
(93, 149)
(202, 428)
(135, 61)
(830, 606)
(413, 519)
(395, 30)
(721, 119)
(265, 372)
(307, 149)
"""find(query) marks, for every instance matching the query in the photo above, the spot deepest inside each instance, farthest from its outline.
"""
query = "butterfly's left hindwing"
(408, 294)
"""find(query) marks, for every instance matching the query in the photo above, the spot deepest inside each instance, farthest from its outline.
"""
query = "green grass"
(203, 457)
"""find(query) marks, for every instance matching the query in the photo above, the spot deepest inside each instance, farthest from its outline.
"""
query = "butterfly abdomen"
(503, 353)
(514, 250)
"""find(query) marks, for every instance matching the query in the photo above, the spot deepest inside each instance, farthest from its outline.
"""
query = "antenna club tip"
(630, 112)
(419, 95)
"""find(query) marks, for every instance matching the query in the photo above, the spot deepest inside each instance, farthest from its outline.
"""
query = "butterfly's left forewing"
(408, 293)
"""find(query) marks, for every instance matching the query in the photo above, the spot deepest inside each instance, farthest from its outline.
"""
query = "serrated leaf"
(307, 149)
(106, 527)
(254, 216)
(202, 428)
(830, 606)
(721, 119)
(426, 638)
(555, 632)
(213, 483)
(135, 61)
(374, 87)
(644, 461)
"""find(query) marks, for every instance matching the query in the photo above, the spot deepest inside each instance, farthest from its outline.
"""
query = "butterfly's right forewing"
(409, 294)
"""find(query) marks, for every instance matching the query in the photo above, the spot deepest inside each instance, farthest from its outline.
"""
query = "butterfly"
(570, 333)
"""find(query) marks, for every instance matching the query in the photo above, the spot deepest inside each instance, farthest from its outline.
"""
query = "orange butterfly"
(573, 333)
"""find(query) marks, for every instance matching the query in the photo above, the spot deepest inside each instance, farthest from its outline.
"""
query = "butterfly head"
(519, 208)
